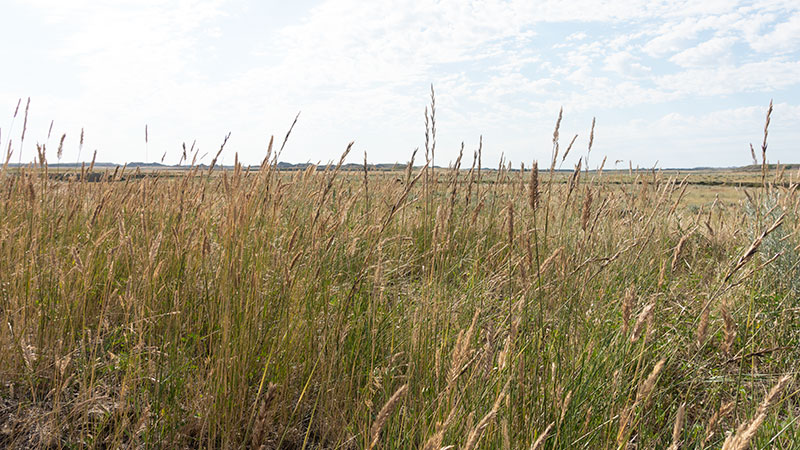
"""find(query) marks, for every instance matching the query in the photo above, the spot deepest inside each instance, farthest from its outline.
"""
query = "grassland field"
(419, 308)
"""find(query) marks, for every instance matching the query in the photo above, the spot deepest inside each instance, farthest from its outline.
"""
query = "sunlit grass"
(329, 309)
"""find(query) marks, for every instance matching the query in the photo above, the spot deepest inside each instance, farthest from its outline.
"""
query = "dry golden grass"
(422, 308)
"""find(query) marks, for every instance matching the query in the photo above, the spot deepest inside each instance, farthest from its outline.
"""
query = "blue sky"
(672, 83)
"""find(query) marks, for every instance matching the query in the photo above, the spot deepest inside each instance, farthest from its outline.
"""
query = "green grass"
(238, 310)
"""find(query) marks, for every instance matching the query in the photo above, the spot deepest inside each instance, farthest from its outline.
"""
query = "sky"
(671, 83)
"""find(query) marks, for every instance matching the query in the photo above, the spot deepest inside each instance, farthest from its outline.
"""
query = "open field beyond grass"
(446, 308)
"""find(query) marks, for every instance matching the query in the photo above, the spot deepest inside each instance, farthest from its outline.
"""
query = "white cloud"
(713, 52)
(672, 37)
(785, 36)
(579, 36)
(751, 77)
(626, 64)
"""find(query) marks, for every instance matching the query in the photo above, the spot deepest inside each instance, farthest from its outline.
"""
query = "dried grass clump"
(747, 430)
(383, 415)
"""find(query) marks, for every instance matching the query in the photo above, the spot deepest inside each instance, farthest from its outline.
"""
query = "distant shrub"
(784, 272)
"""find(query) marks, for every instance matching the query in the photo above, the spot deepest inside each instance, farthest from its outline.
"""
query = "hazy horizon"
(400, 165)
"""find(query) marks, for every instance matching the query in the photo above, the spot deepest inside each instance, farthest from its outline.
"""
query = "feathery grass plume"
(60, 150)
(433, 133)
(551, 259)
(508, 347)
(587, 209)
(555, 140)
(565, 406)
(331, 178)
(265, 163)
(642, 395)
(427, 137)
(764, 146)
(702, 327)
(477, 432)
(533, 186)
(749, 199)
(574, 179)
(724, 410)
(219, 152)
(437, 364)
(677, 429)
(409, 167)
(286, 138)
(677, 253)
(435, 441)
(476, 212)
(729, 332)
(747, 430)
(501, 167)
(587, 420)
(8, 156)
(641, 320)
(31, 190)
(401, 200)
(647, 387)
(461, 351)
(504, 427)
(40, 150)
(80, 146)
(195, 155)
(753, 155)
(748, 254)
(662, 274)
(264, 418)
(780, 173)
(539, 442)
(468, 424)
(683, 186)
(94, 158)
(25, 124)
(558, 125)
(569, 147)
(383, 415)
(480, 155)
(627, 307)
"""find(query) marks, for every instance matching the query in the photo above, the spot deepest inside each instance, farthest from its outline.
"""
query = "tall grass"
(323, 309)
